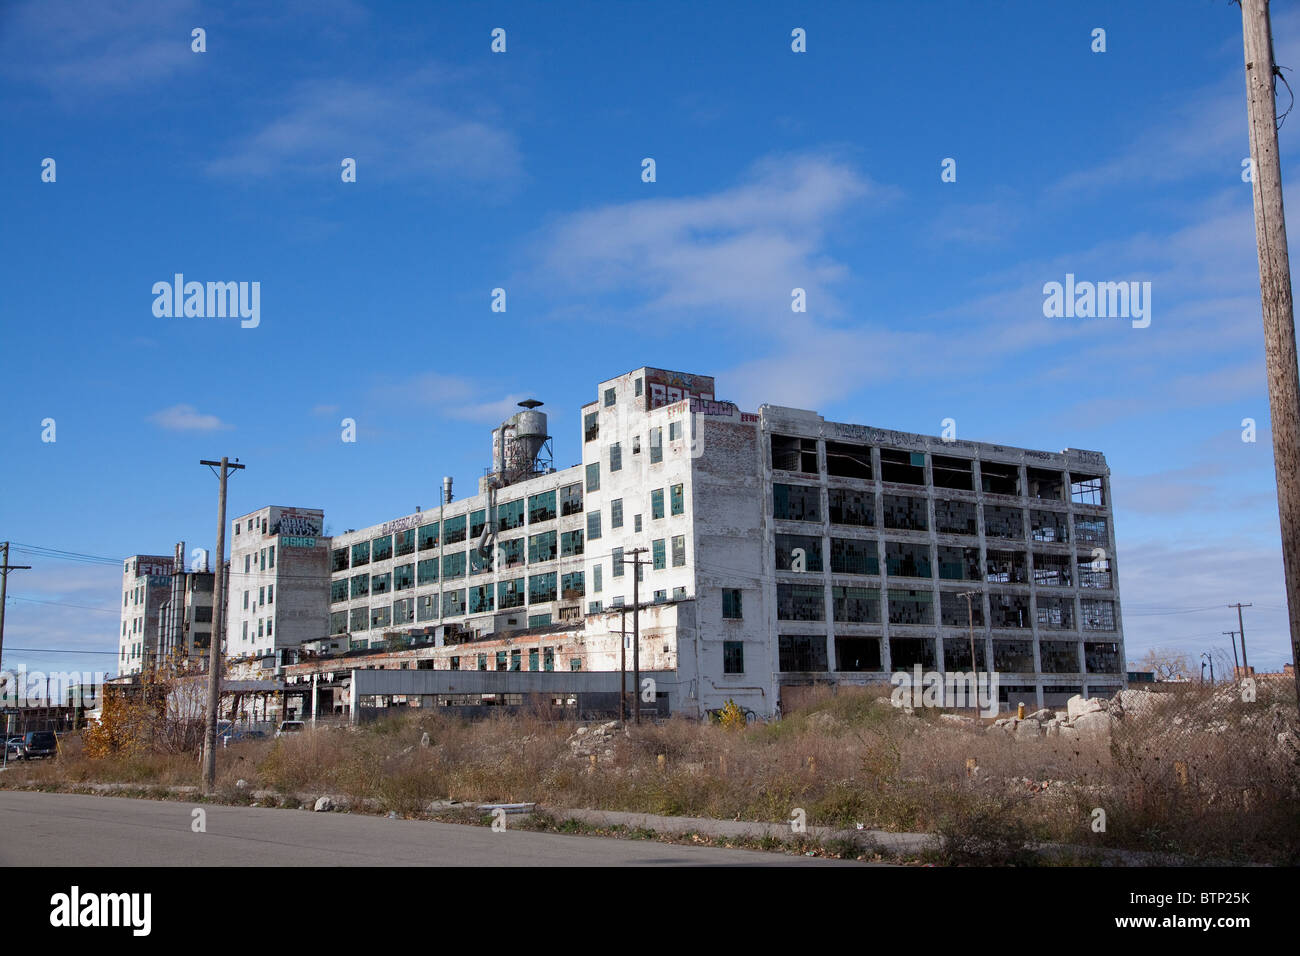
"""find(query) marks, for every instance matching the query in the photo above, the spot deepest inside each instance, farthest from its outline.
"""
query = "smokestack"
(446, 490)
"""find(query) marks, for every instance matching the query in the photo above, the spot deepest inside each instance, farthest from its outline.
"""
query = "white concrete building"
(146, 585)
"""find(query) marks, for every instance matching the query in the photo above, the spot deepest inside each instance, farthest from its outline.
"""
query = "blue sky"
(522, 170)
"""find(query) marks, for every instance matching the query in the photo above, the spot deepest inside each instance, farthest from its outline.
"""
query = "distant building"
(146, 586)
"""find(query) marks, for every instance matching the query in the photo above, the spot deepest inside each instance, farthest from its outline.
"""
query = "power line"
(84, 607)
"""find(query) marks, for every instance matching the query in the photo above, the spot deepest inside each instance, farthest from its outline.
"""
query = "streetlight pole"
(218, 618)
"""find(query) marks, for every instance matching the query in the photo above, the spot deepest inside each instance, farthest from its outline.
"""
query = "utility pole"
(622, 666)
(1242, 626)
(218, 615)
(1233, 636)
(975, 687)
(636, 631)
(1275, 298)
(5, 568)
(1208, 657)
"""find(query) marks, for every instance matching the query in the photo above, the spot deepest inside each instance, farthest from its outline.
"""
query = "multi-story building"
(185, 618)
(278, 584)
(146, 585)
(770, 552)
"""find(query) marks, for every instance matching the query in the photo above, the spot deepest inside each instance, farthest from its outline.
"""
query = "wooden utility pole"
(218, 618)
(1232, 635)
(622, 666)
(975, 687)
(636, 631)
(1275, 297)
(1242, 625)
(5, 568)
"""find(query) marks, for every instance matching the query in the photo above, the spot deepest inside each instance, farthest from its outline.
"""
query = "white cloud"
(187, 418)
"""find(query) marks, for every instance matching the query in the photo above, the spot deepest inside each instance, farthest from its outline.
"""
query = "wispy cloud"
(452, 397)
(187, 418)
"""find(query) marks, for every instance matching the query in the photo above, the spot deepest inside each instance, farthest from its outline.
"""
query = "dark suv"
(38, 743)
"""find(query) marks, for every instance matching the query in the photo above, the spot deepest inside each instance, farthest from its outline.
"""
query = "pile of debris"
(598, 740)
(1083, 717)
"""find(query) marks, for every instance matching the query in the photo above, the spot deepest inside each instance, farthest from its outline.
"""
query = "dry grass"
(1165, 781)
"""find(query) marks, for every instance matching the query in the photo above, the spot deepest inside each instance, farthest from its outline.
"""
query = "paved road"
(62, 829)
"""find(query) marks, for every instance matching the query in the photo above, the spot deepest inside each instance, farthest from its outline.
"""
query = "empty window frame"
(510, 554)
(1006, 567)
(854, 556)
(960, 564)
(903, 560)
(850, 506)
(571, 543)
(845, 460)
(571, 499)
(1090, 530)
(787, 560)
(1095, 571)
(907, 652)
(910, 606)
(1000, 522)
(856, 654)
(1044, 484)
(1013, 657)
(998, 478)
(800, 602)
(453, 530)
(590, 426)
(1055, 614)
(956, 656)
(902, 467)
(1052, 570)
(541, 507)
(1049, 526)
(801, 652)
(573, 585)
(794, 454)
(855, 605)
(906, 513)
(428, 536)
(1102, 658)
(1086, 489)
(796, 502)
(541, 588)
(1097, 615)
(541, 547)
(955, 517)
(1059, 657)
(1008, 610)
(956, 473)
(954, 612)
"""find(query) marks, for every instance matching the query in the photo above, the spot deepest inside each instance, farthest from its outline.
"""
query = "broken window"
(1055, 614)
(850, 506)
(593, 525)
(571, 499)
(571, 543)
(616, 513)
(848, 461)
(902, 467)
(908, 560)
(1007, 567)
(906, 652)
(796, 502)
(786, 544)
(1008, 610)
(1090, 530)
(658, 556)
(541, 547)
(1086, 489)
(1049, 526)
(541, 507)
(906, 513)
(910, 607)
(854, 556)
(360, 619)
(453, 565)
(510, 553)
(1013, 657)
(510, 515)
(1059, 657)
(404, 611)
(338, 590)
(339, 559)
(453, 530)
(572, 585)
(426, 607)
(479, 563)
(617, 557)
(955, 517)
(593, 476)
(480, 599)
(426, 571)
(381, 548)
(677, 499)
(656, 503)
(381, 583)
(616, 457)
(339, 622)
(856, 654)
(381, 616)
(1097, 615)
(360, 554)
(403, 577)
(800, 602)
(360, 585)
(801, 652)
(960, 564)
(590, 426)
(477, 522)
(853, 605)
(998, 478)
(731, 604)
(656, 445)
(428, 536)
(1002, 522)
(1052, 570)
(1094, 571)
(958, 473)
(679, 550)
(956, 654)
(794, 454)
(541, 588)
(733, 657)
(1102, 658)
(453, 603)
(954, 612)
(609, 397)
(404, 542)
(1046, 484)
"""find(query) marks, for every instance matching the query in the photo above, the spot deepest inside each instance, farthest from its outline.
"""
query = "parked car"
(290, 727)
(38, 743)
(248, 735)
(14, 748)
